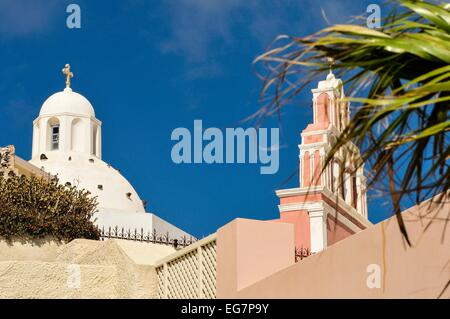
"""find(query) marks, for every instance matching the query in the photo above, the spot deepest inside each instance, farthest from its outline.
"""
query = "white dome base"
(113, 191)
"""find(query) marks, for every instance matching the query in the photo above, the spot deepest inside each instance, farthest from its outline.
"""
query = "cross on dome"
(68, 74)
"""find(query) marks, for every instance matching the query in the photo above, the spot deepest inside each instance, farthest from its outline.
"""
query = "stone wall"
(79, 269)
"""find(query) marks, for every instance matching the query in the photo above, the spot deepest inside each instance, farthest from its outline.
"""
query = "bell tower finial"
(68, 74)
(330, 62)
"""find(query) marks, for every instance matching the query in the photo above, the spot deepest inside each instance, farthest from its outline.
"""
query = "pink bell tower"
(328, 206)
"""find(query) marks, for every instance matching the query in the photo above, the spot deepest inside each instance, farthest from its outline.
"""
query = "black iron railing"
(147, 237)
(301, 253)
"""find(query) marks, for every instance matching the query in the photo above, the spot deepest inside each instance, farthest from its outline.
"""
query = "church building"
(67, 143)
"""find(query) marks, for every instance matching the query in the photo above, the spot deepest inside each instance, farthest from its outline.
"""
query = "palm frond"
(398, 74)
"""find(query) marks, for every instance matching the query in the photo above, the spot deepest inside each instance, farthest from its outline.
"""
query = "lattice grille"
(160, 282)
(189, 273)
(182, 279)
(208, 277)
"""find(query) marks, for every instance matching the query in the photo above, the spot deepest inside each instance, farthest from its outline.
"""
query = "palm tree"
(399, 79)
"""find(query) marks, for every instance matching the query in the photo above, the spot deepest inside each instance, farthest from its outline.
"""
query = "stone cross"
(68, 74)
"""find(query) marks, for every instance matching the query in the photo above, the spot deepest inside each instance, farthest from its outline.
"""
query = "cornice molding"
(314, 205)
(94, 119)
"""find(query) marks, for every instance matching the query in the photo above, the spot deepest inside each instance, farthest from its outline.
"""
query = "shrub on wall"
(32, 207)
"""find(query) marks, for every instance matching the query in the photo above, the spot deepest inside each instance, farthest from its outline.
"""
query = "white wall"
(132, 221)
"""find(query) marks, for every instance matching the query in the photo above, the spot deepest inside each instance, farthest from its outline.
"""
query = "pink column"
(306, 170)
(317, 168)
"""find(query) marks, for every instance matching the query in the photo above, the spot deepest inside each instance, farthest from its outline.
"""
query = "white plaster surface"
(131, 221)
(108, 269)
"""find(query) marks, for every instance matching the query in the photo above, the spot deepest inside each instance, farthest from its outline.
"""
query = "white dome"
(114, 192)
(67, 101)
(67, 143)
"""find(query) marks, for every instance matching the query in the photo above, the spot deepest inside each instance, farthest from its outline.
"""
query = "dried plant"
(32, 207)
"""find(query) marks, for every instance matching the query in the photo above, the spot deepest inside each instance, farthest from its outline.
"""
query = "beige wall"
(20, 279)
(41, 250)
(107, 269)
(341, 271)
(145, 253)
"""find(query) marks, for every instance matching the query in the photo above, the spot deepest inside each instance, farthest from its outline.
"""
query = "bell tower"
(330, 205)
(67, 143)
(66, 124)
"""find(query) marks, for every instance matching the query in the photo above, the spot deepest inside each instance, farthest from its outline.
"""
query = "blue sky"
(149, 67)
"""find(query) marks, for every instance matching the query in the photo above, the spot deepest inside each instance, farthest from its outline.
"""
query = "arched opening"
(53, 134)
(347, 187)
(355, 192)
(323, 109)
(94, 140)
(341, 183)
(77, 135)
(335, 177)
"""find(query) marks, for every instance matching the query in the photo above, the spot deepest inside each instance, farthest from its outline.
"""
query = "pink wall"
(300, 219)
(348, 269)
(250, 250)
(311, 197)
(309, 139)
(336, 231)
(302, 231)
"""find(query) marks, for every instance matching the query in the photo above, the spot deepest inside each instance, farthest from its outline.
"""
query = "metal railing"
(147, 237)
(301, 253)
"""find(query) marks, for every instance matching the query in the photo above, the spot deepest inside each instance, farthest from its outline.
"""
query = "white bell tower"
(67, 142)
(67, 123)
